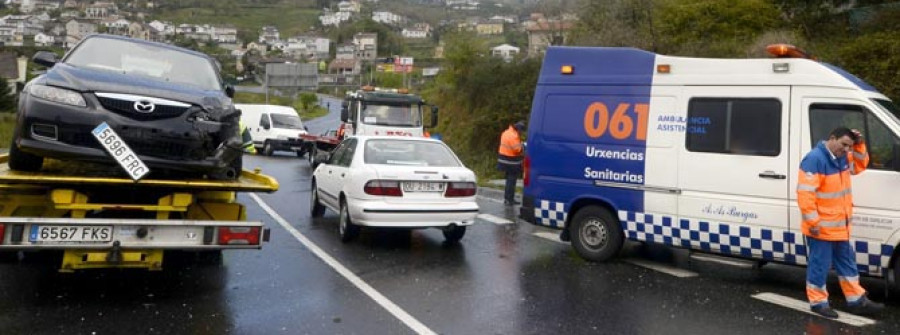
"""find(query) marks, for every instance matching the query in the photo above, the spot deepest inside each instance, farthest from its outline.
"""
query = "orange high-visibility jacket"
(510, 143)
(824, 192)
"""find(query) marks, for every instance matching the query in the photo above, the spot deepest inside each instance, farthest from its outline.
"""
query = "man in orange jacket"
(509, 159)
(826, 204)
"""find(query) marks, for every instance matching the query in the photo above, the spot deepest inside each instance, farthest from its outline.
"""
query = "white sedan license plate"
(420, 186)
(120, 151)
(79, 234)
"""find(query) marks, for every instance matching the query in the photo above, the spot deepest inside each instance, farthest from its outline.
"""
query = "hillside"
(291, 17)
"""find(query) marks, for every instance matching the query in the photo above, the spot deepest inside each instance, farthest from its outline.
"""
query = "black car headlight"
(56, 94)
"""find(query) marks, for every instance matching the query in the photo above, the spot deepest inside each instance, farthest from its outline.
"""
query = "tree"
(875, 58)
(712, 28)
(308, 100)
(7, 98)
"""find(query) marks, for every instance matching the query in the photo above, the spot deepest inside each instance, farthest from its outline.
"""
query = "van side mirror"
(345, 114)
(229, 91)
(434, 117)
(896, 158)
(45, 58)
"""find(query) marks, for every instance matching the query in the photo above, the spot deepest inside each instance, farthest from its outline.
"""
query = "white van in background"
(273, 127)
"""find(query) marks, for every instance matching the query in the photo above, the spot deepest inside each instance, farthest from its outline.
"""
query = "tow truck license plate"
(81, 234)
(419, 186)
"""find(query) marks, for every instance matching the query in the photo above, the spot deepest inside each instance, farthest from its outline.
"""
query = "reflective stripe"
(832, 195)
(509, 162)
(810, 216)
(859, 155)
(810, 188)
(853, 298)
(833, 223)
(815, 287)
(849, 279)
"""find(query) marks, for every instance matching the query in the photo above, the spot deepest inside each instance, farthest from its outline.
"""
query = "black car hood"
(89, 80)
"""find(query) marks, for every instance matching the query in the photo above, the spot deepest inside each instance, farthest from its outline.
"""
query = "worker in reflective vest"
(509, 159)
(247, 140)
(826, 204)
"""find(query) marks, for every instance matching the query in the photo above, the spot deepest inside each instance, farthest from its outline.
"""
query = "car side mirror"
(896, 158)
(345, 114)
(434, 117)
(45, 58)
(229, 91)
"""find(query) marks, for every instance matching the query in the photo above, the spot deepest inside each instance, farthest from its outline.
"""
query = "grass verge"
(7, 123)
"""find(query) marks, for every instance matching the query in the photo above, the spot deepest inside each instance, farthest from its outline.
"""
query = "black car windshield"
(127, 57)
(286, 121)
(392, 115)
(405, 152)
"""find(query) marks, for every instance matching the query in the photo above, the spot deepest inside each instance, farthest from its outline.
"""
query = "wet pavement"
(505, 277)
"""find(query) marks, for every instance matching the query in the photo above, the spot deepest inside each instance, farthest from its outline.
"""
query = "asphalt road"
(505, 277)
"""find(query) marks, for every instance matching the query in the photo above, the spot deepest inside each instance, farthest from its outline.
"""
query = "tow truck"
(374, 111)
(97, 221)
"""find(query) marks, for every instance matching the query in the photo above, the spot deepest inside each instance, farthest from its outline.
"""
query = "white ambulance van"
(273, 128)
(701, 153)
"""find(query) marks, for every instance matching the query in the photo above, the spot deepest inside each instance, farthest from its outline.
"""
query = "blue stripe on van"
(849, 76)
(567, 158)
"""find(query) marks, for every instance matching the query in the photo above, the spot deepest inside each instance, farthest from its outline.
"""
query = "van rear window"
(738, 126)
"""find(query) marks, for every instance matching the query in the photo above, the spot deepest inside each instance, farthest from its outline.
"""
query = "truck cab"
(372, 111)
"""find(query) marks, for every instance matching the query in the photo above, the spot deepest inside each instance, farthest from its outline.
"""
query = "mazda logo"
(144, 106)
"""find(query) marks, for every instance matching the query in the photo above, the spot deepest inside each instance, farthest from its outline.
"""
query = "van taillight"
(388, 188)
(460, 189)
(239, 235)
(2, 230)
(526, 167)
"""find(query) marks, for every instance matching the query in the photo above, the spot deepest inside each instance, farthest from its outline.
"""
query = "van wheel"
(23, 161)
(346, 228)
(268, 149)
(316, 209)
(894, 289)
(454, 233)
(596, 234)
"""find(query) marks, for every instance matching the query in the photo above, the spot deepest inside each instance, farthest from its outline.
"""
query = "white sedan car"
(393, 181)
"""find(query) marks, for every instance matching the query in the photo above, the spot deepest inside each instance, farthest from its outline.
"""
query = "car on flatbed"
(168, 104)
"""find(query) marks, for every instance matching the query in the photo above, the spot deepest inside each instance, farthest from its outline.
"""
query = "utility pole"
(267, 83)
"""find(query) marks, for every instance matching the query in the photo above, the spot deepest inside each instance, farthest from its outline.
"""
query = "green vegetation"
(7, 124)
(7, 99)
(290, 17)
(310, 112)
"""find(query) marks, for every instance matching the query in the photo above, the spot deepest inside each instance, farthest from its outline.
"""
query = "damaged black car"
(167, 103)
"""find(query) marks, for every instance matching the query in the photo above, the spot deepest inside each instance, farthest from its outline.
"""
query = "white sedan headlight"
(59, 95)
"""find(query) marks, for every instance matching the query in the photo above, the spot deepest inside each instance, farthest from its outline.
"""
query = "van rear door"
(733, 170)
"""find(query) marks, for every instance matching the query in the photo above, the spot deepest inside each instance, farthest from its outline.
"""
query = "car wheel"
(454, 233)
(23, 161)
(232, 172)
(596, 234)
(316, 209)
(268, 149)
(310, 155)
(346, 228)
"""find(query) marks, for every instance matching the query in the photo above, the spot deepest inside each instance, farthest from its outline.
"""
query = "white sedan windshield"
(126, 57)
(414, 153)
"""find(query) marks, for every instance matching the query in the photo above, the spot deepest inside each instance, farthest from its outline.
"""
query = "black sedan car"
(168, 104)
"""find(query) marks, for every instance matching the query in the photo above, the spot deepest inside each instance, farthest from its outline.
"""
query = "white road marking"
(744, 264)
(386, 303)
(494, 219)
(803, 306)
(549, 236)
(667, 269)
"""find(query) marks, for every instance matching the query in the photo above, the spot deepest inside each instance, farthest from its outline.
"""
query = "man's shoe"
(865, 307)
(825, 310)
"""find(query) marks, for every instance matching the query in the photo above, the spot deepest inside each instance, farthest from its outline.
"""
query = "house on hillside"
(76, 29)
(351, 6)
(505, 51)
(13, 70)
(345, 51)
(44, 40)
(366, 45)
(345, 66)
(542, 34)
(100, 10)
(418, 30)
(269, 35)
